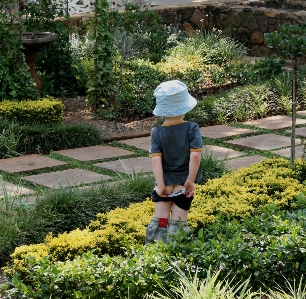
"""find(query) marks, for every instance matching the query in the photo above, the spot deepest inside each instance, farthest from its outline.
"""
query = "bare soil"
(76, 112)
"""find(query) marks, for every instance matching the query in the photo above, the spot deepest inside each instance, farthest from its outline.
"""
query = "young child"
(175, 152)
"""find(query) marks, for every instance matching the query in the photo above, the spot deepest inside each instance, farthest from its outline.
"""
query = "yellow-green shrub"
(107, 234)
(240, 193)
(43, 111)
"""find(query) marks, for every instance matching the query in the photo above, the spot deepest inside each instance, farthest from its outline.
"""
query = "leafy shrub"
(262, 250)
(238, 72)
(243, 192)
(213, 47)
(16, 82)
(58, 211)
(43, 111)
(237, 104)
(139, 78)
(188, 69)
(237, 195)
(48, 138)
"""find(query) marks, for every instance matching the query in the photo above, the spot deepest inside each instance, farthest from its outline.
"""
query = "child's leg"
(162, 209)
(157, 228)
(178, 219)
(178, 213)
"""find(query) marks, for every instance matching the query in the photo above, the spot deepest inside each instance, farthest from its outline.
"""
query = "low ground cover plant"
(59, 211)
(233, 198)
(267, 250)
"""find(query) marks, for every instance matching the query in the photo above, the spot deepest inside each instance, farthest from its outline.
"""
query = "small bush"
(46, 138)
(238, 104)
(44, 111)
(51, 138)
(213, 47)
(58, 211)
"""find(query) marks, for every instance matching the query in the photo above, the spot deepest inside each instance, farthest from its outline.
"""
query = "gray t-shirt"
(174, 143)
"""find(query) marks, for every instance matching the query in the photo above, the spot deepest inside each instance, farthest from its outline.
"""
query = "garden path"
(237, 146)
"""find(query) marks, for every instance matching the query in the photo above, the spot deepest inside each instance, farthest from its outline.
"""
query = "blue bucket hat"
(173, 99)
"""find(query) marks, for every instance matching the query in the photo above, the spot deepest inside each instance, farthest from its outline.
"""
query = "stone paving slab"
(13, 190)
(242, 162)
(221, 131)
(264, 142)
(286, 152)
(298, 131)
(128, 166)
(66, 178)
(143, 143)
(28, 163)
(96, 152)
(220, 153)
(274, 122)
(302, 113)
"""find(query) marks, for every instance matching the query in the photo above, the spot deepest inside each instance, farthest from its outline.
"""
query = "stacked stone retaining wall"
(246, 21)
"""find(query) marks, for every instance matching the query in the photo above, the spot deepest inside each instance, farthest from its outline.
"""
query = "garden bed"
(76, 112)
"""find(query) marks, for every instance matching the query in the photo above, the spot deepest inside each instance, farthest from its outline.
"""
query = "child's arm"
(159, 176)
(194, 164)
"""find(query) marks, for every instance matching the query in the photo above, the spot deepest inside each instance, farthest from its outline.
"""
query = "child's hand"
(161, 191)
(190, 188)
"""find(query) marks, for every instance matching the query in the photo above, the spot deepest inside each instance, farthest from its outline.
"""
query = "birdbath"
(32, 42)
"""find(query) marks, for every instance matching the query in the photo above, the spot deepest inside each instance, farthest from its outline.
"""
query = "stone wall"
(246, 21)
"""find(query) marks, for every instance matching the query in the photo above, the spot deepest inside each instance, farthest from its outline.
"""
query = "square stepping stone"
(286, 152)
(302, 113)
(221, 131)
(96, 152)
(143, 143)
(66, 178)
(299, 131)
(220, 153)
(235, 164)
(13, 190)
(128, 166)
(28, 163)
(263, 142)
(274, 122)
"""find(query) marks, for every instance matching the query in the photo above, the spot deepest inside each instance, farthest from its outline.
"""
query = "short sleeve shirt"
(174, 143)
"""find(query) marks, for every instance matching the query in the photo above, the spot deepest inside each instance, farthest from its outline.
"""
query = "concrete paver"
(221, 131)
(274, 122)
(242, 162)
(264, 142)
(220, 153)
(143, 143)
(13, 190)
(96, 152)
(28, 163)
(286, 152)
(298, 131)
(302, 113)
(129, 165)
(66, 178)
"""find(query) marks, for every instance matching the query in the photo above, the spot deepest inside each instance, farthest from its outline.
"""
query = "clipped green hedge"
(42, 111)
(237, 195)
(46, 138)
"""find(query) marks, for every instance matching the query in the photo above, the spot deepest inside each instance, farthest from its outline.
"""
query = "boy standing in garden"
(175, 152)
